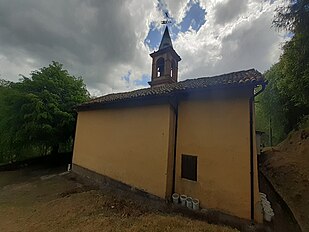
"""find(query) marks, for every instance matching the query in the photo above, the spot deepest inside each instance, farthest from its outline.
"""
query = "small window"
(189, 167)
(173, 66)
(160, 67)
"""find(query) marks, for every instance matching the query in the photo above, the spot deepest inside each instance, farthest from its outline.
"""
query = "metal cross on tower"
(167, 19)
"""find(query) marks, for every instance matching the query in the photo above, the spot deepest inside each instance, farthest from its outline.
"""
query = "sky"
(108, 42)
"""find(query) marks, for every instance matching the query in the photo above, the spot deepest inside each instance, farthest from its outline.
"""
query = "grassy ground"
(60, 203)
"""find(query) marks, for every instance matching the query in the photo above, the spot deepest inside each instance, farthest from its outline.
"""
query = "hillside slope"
(287, 168)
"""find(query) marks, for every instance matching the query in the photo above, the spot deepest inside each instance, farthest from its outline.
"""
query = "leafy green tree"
(294, 62)
(4, 118)
(38, 111)
(270, 107)
(294, 83)
(293, 17)
(286, 99)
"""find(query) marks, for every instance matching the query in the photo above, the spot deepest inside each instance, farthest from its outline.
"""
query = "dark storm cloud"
(81, 34)
(102, 40)
(227, 11)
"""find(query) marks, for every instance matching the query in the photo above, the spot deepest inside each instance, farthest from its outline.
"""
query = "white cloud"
(244, 41)
(177, 9)
(226, 11)
(103, 40)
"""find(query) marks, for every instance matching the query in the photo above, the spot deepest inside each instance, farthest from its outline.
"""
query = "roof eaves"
(244, 78)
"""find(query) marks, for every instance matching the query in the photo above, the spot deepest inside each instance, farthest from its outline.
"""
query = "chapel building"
(194, 137)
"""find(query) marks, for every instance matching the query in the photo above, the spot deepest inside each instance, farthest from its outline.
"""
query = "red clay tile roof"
(240, 78)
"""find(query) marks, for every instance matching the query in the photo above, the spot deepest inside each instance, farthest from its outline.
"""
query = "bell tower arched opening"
(160, 67)
(173, 69)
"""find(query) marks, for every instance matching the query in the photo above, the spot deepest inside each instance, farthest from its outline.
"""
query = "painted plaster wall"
(215, 128)
(130, 145)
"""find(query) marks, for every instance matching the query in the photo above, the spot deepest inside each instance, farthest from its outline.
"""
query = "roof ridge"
(216, 76)
(111, 94)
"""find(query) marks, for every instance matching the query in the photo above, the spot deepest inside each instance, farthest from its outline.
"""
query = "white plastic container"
(183, 199)
(196, 204)
(189, 202)
(266, 204)
(268, 215)
(175, 198)
(263, 195)
(263, 198)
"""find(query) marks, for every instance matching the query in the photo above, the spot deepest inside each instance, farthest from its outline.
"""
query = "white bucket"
(196, 204)
(263, 198)
(267, 207)
(268, 215)
(183, 199)
(69, 167)
(189, 202)
(175, 198)
(263, 195)
(266, 204)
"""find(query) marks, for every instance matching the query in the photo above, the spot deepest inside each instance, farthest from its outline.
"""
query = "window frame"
(189, 167)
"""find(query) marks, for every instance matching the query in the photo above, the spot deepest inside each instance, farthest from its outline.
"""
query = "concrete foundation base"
(101, 180)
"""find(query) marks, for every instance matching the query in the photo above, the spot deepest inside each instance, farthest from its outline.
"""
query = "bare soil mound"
(287, 167)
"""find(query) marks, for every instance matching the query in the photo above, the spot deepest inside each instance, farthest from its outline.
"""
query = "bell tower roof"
(166, 40)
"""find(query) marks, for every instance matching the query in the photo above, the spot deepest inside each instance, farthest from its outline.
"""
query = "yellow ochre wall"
(128, 144)
(215, 128)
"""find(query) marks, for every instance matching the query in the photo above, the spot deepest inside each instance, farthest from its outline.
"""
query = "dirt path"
(58, 203)
(284, 220)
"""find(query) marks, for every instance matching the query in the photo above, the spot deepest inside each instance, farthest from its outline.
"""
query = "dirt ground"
(287, 167)
(36, 200)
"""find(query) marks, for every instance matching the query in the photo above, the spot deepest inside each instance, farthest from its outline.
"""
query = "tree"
(293, 17)
(7, 145)
(286, 99)
(271, 106)
(40, 110)
(294, 62)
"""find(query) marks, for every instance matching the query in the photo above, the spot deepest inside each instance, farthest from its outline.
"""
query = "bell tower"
(164, 63)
